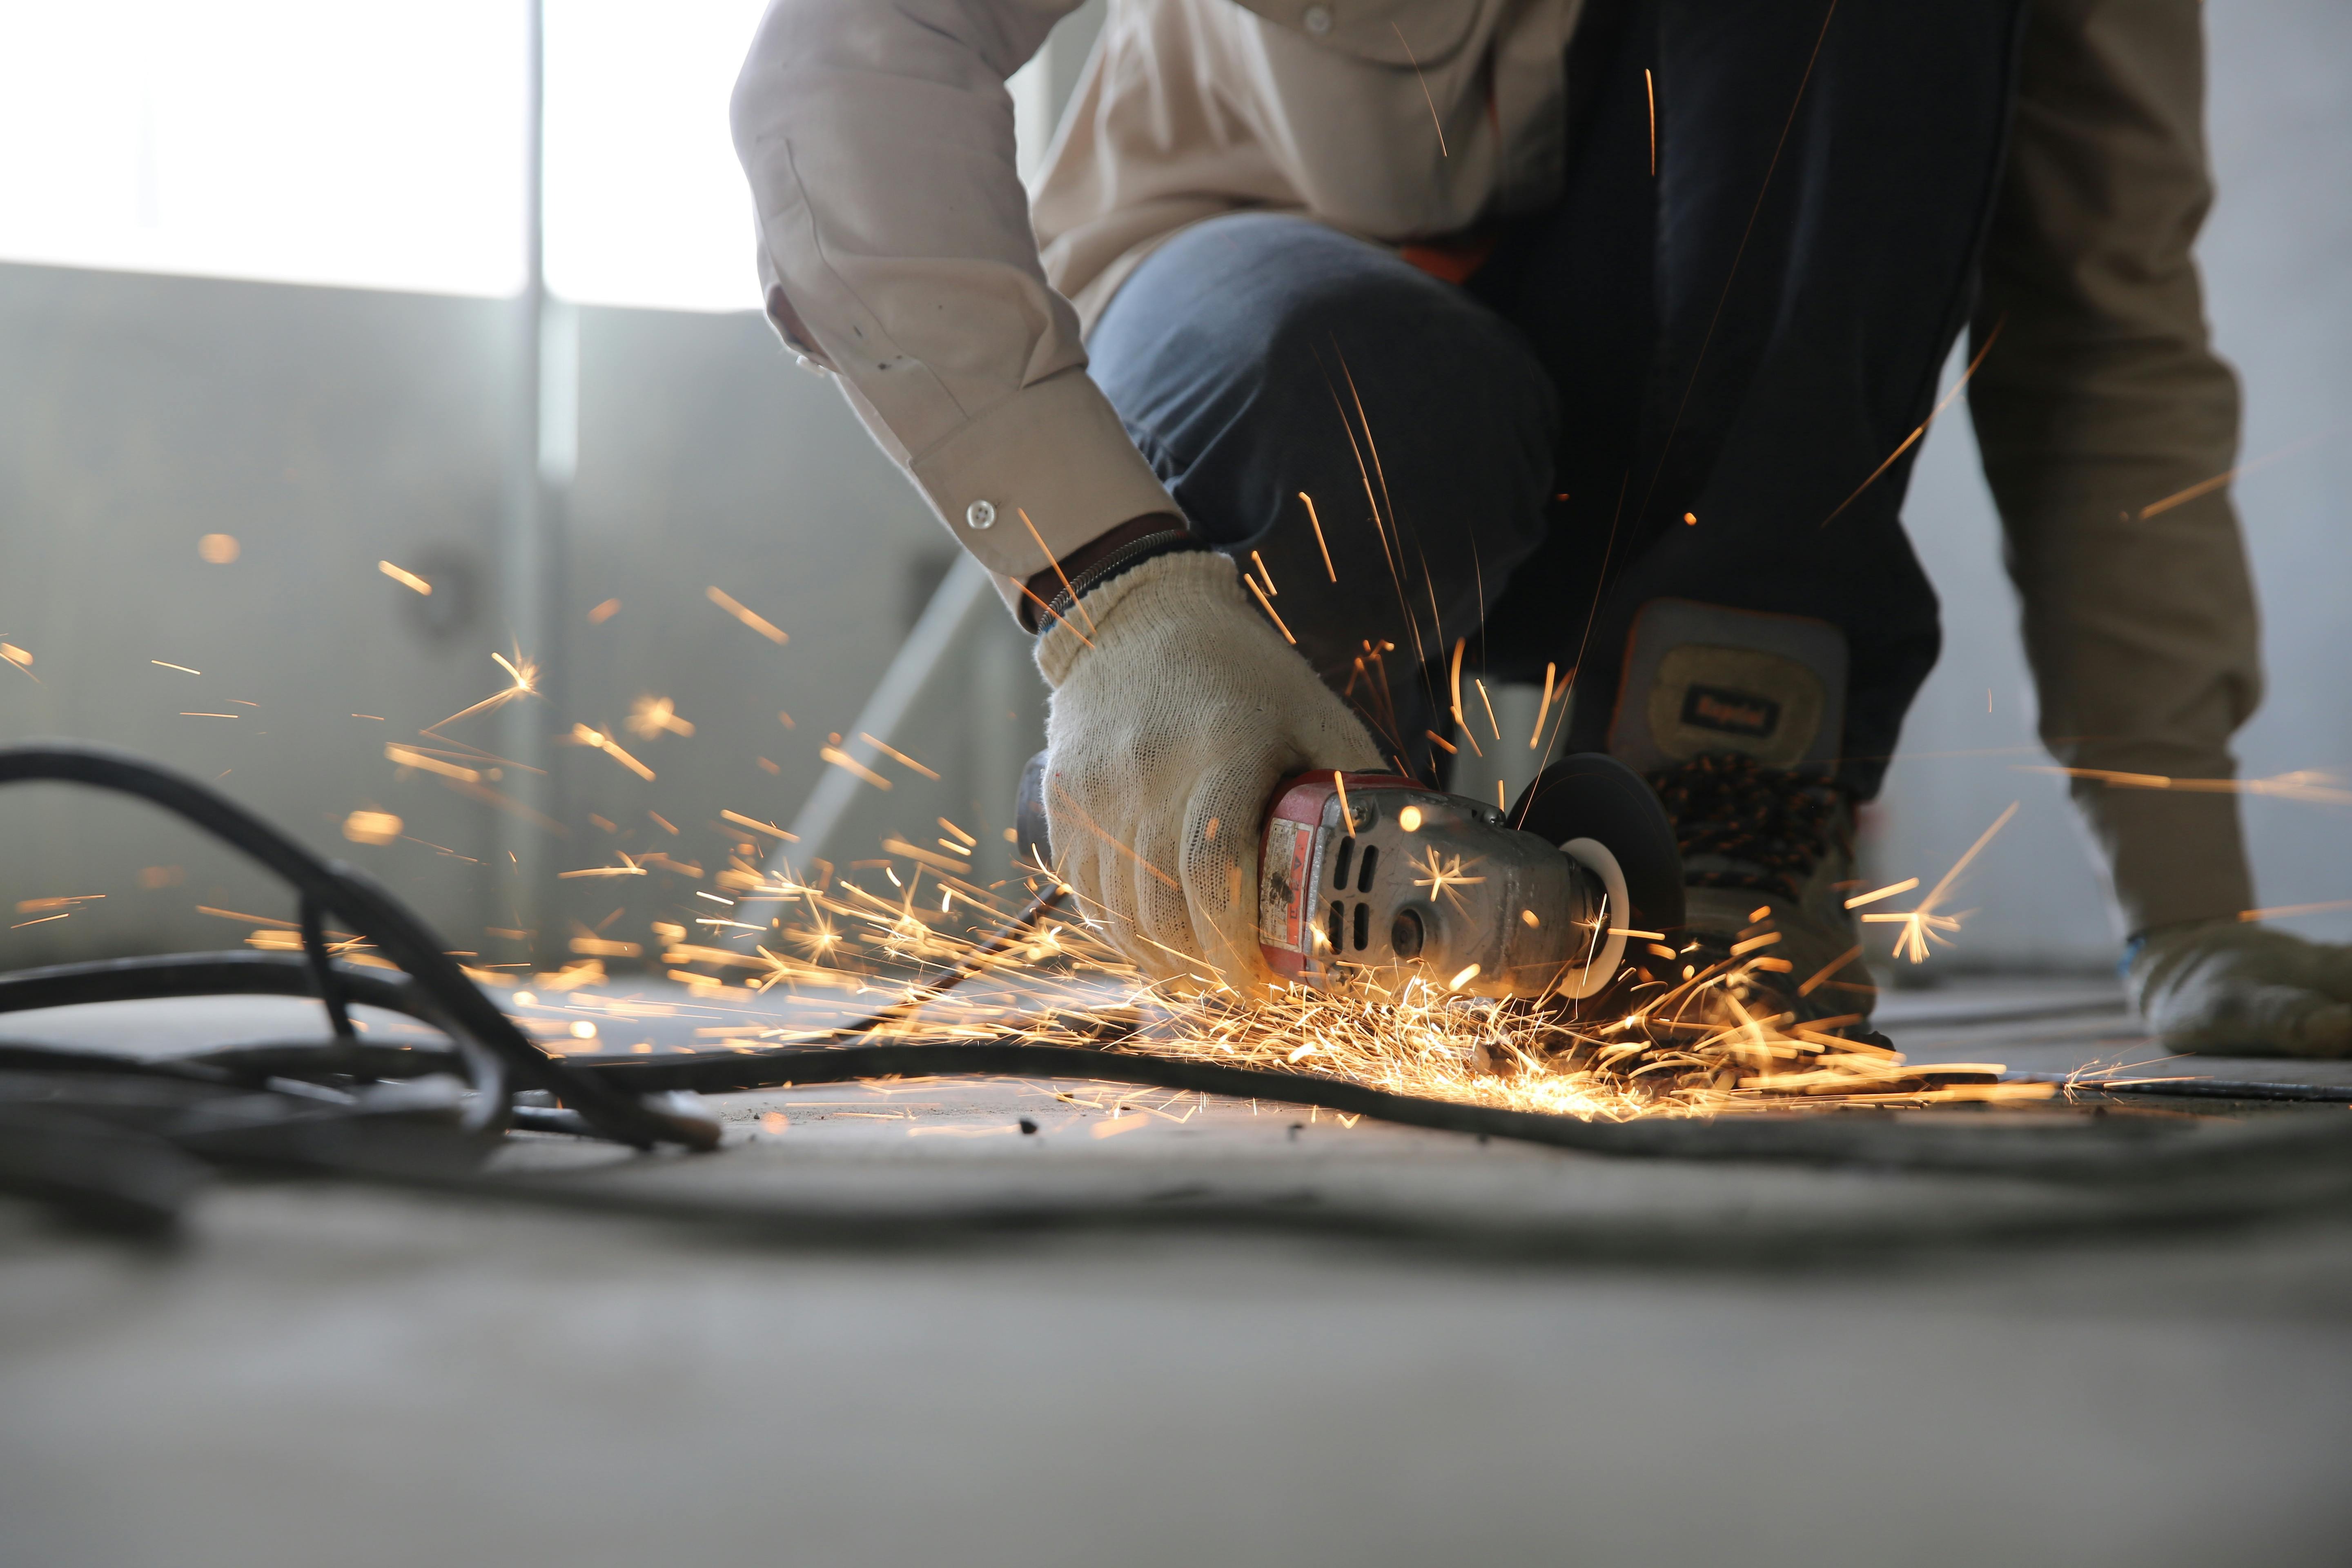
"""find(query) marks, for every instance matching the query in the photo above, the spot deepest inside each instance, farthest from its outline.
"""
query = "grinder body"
(1374, 871)
(1378, 872)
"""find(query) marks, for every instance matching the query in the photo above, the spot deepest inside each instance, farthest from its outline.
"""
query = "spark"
(523, 676)
(1462, 725)
(1442, 879)
(2283, 910)
(1912, 439)
(1888, 891)
(1424, 90)
(182, 669)
(34, 906)
(1064, 577)
(895, 756)
(1316, 523)
(650, 718)
(757, 622)
(840, 759)
(1267, 606)
(2304, 784)
(604, 612)
(405, 578)
(754, 823)
(1924, 923)
(596, 740)
(627, 867)
(377, 828)
(1650, 87)
(2206, 487)
(1550, 672)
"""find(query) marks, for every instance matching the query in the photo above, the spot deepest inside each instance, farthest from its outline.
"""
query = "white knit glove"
(2227, 988)
(1176, 710)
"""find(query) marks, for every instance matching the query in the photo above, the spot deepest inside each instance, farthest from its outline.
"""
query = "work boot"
(1735, 717)
(1767, 863)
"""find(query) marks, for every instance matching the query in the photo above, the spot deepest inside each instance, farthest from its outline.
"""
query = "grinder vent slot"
(1363, 923)
(1364, 876)
(1339, 912)
(1340, 871)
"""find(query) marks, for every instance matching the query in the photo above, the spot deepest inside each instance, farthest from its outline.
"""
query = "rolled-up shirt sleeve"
(2106, 419)
(896, 251)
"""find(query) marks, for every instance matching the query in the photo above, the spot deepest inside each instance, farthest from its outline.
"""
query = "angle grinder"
(1378, 872)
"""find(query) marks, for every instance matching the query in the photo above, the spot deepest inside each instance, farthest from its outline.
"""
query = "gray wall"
(327, 429)
(2280, 296)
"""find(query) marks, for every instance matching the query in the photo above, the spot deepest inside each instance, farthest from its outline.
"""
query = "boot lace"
(1728, 806)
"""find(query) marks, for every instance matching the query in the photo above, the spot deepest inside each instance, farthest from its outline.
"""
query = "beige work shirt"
(899, 251)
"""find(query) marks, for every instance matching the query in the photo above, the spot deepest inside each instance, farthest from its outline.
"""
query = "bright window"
(645, 202)
(304, 140)
(381, 146)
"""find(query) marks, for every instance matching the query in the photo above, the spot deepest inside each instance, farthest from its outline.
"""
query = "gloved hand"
(2227, 988)
(1164, 741)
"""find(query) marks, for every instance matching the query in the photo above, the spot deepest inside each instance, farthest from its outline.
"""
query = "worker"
(1343, 345)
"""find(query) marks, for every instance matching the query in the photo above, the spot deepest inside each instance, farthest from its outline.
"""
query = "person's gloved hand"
(2228, 988)
(1176, 710)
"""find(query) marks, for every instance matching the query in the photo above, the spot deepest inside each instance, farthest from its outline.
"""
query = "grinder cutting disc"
(1594, 795)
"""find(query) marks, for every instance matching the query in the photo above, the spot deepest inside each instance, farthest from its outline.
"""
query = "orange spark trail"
(1424, 89)
(758, 623)
(2206, 487)
(1912, 439)
(1316, 524)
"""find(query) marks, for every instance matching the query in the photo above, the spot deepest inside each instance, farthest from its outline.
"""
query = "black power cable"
(501, 1054)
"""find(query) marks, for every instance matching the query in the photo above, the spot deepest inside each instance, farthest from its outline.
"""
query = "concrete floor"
(323, 1373)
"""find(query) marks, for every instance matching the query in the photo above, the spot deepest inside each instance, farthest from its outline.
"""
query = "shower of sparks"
(1927, 923)
(1716, 1042)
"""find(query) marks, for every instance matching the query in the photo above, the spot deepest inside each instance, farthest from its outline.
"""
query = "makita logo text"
(1731, 712)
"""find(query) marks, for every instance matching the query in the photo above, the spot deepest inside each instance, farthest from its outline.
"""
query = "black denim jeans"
(1671, 383)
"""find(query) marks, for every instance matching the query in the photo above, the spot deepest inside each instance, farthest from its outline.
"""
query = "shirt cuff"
(1044, 471)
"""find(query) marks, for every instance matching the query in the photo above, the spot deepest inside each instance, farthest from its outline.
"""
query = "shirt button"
(980, 515)
(1319, 19)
